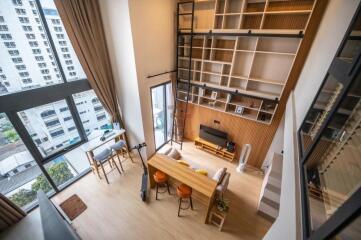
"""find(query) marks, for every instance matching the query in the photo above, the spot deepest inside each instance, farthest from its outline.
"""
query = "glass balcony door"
(162, 109)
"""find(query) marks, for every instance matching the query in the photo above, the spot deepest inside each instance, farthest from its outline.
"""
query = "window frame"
(351, 208)
(164, 84)
(12, 103)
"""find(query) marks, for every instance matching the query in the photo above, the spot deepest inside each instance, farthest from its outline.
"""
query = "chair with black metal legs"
(161, 180)
(104, 157)
(184, 192)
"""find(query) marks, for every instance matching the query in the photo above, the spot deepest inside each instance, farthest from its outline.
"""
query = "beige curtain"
(9, 213)
(83, 24)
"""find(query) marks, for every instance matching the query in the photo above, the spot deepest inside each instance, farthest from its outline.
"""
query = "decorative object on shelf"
(212, 103)
(229, 97)
(251, 105)
(246, 150)
(262, 117)
(267, 107)
(239, 109)
(116, 126)
(231, 147)
(214, 95)
(201, 92)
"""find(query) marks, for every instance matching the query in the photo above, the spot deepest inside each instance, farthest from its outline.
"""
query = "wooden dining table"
(95, 142)
(202, 185)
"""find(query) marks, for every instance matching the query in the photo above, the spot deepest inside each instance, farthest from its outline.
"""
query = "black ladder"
(180, 109)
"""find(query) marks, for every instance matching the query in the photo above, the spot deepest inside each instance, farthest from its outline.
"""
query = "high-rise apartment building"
(27, 60)
(28, 36)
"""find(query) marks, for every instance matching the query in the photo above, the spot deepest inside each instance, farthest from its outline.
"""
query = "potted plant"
(222, 204)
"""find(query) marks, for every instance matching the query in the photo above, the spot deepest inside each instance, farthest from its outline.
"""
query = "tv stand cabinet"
(214, 149)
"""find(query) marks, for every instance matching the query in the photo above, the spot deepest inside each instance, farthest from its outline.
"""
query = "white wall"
(153, 31)
(286, 225)
(276, 145)
(116, 21)
(140, 38)
(332, 28)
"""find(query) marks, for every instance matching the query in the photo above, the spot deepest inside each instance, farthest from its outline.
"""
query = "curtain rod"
(151, 76)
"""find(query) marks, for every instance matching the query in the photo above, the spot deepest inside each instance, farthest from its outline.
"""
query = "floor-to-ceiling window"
(162, 108)
(47, 107)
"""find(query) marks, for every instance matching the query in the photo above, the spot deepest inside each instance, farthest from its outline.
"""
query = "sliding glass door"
(162, 109)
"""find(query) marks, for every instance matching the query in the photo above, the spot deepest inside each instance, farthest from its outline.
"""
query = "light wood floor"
(115, 211)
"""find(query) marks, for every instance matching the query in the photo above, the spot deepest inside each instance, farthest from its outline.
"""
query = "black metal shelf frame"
(189, 71)
(347, 73)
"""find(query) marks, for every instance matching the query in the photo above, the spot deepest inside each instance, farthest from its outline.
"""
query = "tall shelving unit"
(242, 54)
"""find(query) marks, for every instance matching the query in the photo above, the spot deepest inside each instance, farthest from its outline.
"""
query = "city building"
(25, 45)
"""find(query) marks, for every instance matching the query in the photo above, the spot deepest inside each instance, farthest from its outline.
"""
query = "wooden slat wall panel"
(290, 5)
(291, 21)
(240, 130)
(243, 131)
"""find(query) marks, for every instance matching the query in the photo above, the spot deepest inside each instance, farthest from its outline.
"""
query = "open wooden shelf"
(246, 107)
(256, 65)
(214, 149)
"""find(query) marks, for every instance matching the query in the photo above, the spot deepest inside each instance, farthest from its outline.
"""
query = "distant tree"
(23, 197)
(41, 184)
(59, 172)
(11, 135)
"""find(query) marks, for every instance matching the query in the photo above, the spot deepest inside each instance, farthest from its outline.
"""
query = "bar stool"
(160, 179)
(119, 147)
(184, 191)
(103, 157)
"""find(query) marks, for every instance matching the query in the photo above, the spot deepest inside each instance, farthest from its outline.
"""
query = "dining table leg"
(209, 207)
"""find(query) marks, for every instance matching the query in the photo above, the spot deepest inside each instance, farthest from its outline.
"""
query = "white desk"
(95, 142)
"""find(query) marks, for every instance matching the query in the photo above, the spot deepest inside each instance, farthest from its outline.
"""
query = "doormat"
(73, 206)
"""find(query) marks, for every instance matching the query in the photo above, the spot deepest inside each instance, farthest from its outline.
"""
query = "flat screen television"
(213, 135)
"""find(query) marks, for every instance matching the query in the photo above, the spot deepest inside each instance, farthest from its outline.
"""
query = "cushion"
(103, 155)
(118, 145)
(165, 150)
(174, 154)
(184, 163)
(222, 187)
(218, 176)
(202, 171)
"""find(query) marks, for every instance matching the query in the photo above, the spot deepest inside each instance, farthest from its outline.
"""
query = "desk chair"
(104, 157)
(120, 147)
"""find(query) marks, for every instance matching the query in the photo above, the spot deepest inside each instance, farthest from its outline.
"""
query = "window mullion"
(76, 118)
(50, 39)
(28, 142)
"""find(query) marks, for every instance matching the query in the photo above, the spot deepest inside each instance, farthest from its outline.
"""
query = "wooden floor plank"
(115, 211)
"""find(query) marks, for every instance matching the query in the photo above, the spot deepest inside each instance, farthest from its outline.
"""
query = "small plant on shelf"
(222, 204)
